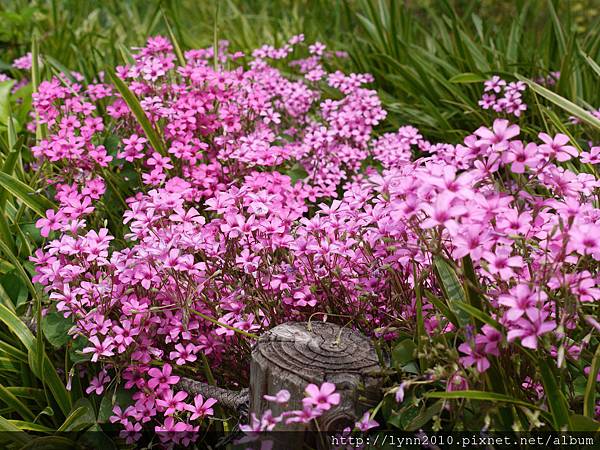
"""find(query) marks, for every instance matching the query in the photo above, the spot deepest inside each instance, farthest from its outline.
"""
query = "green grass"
(419, 51)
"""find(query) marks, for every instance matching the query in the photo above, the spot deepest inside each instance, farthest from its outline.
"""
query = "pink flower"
(531, 328)
(162, 379)
(97, 383)
(119, 416)
(52, 222)
(494, 84)
(457, 382)
(131, 433)
(281, 397)
(557, 147)
(322, 397)
(399, 396)
(183, 354)
(305, 415)
(502, 263)
(499, 137)
(201, 407)
(491, 339)
(103, 348)
(442, 212)
(591, 157)
(520, 300)
(476, 354)
(521, 156)
(171, 431)
(24, 62)
(366, 422)
(172, 403)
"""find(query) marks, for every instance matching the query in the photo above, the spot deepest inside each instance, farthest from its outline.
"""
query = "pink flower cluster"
(255, 211)
(318, 400)
(24, 62)
(510, 102)
(175, 429)
(548, 80)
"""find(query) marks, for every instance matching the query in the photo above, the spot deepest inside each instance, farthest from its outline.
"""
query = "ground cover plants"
(162, 212)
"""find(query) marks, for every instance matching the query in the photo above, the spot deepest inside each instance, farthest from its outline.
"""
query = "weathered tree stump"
(292, 355)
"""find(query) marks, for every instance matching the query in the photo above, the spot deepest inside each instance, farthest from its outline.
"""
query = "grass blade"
(589, 398)
(15, 433)
(562, 102)
(48, 376)
(556, 400)
(453, 289)
(176, 47)
(20, 190)
(135, 107)
(19, 407)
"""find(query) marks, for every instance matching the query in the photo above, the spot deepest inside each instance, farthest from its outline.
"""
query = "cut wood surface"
(292, 355)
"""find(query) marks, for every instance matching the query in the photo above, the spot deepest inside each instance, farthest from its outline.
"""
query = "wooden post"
(292, 355)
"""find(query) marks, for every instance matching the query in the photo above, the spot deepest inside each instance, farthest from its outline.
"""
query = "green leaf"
(19, 268)
(468, 77)
(55, 327)
(15, 433)
(453, 289)
(80, 418)
(28, 196)
(75, 353)
(584, 423)
(48, 374)
(30, 426)
(17, 327)
(589, 398)
(20, 408)
(562, 102)
(176, 46)
(296, 172)
(480, 395)
(135, 107)
(593, 64)
(403, 353)
(471, 283)
(425, 416)
(480, 315)
(442, 307)
(556, 399)
(5, 88)
(94, 437)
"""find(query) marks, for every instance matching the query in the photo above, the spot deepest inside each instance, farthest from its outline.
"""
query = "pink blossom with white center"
(161, 379)
(531, 328)
(521, 299)
(557, 147)
(499, 137)
(184, 354)
(100, 348)
(323, 397)
(201, 407)
(171, 403)
(98, 382)
(494, 84)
